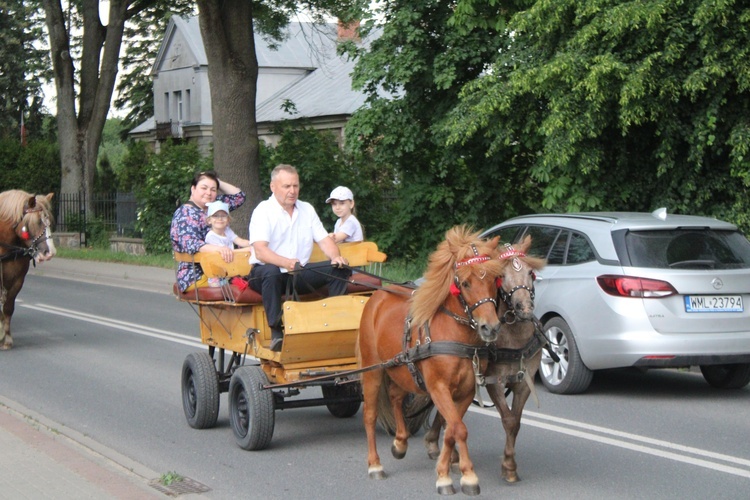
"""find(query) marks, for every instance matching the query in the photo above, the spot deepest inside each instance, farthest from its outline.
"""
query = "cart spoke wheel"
(200, 390)
(251, 408)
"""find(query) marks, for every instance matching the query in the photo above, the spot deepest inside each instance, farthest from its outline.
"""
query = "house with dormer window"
(299, 77)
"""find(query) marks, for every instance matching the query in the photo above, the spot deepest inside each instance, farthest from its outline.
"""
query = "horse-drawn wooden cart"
(318, 349)
(469, 324)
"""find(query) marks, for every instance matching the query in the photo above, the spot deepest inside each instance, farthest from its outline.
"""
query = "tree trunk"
(80, 128)
(228, 38)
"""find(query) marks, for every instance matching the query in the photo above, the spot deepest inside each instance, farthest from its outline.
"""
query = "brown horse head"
(516, 281)
(460, 277)
(30, 218)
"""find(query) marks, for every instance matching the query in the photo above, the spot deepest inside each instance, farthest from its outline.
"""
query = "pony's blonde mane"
(442, 268)
(12, 203)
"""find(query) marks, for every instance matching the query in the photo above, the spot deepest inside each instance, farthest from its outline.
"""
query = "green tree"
(33, 168)
(621, 105)
(413, 73)
(228, 28)
(85, 56)
(111, 153)
(132, 168)
(24, 66)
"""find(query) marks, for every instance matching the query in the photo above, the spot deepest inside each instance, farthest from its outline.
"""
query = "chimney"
(348, 31)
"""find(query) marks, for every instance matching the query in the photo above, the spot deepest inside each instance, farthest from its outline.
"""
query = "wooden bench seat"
(358, 254)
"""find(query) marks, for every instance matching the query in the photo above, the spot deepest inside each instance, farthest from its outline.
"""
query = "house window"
(187, 105)
(178, 105)
(166, 106)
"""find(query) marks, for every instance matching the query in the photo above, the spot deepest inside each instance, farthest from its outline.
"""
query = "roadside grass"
(105, 255)
(398, 270)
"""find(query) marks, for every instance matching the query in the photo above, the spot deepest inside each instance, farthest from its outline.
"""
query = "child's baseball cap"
(217, 206)
(340, 193)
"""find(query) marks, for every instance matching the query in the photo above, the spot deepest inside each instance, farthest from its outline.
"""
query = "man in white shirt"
(282, 231)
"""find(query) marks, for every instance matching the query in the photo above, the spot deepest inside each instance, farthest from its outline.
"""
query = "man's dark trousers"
(271, 283)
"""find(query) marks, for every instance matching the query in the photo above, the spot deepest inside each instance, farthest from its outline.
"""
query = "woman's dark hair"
(211, 174)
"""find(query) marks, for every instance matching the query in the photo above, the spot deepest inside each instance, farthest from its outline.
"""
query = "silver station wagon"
(639, 290)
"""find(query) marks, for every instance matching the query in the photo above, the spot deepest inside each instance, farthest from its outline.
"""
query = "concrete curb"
(83, 465)
(97, 450)
(152, 279)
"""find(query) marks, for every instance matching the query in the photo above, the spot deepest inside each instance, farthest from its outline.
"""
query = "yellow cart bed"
(318, 349)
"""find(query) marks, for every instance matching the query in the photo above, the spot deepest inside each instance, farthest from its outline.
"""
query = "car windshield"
(688, 249)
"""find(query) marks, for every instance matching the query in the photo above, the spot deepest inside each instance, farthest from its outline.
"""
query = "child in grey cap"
(220, 233)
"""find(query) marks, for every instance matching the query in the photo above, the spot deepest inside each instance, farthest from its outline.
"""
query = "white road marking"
(630, 441)
(121, 325)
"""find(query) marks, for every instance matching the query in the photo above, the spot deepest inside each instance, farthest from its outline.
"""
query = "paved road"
(106, 361)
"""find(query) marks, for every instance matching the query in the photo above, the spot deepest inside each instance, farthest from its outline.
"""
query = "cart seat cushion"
(362, 283)
(214, 294)
(247, 296)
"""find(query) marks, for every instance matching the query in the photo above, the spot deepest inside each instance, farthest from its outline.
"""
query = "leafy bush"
(97, 235)
(133, 165)
(34, 168)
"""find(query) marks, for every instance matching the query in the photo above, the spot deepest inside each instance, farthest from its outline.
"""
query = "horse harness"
(14, 252)
(30, 251)
(507, 297)
(425, 347)
(456, 291)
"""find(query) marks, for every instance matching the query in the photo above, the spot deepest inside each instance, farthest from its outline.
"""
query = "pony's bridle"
(32, 249)
(512, 253)
(456, 290)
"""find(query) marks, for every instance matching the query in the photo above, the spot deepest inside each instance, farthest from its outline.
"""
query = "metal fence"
(116, 212)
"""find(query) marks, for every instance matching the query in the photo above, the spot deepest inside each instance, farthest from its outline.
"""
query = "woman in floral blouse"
(189, 226)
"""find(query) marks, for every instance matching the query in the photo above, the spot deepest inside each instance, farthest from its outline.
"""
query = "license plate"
(713, 303)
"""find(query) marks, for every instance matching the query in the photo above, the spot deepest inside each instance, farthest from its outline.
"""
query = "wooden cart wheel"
(200, 390)
(251, 408)
(344, 409)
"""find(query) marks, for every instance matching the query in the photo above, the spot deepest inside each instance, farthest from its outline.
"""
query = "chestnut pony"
(25, 235)
(433, 343)
(517, 355)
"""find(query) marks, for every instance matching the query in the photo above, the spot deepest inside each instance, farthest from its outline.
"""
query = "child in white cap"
(220, 233)
(347, 227)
